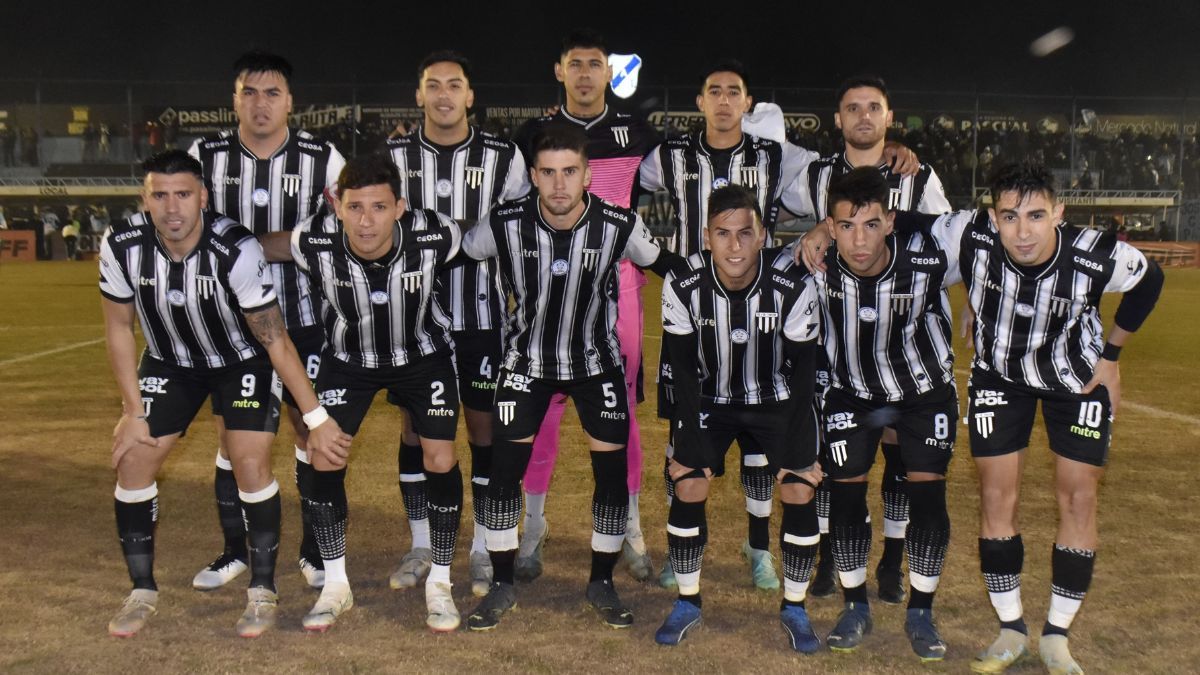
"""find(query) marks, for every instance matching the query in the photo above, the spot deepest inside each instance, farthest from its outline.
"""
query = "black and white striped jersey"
(888, 337)
(380, 313)
(464, 182)
(740, 334)
(272, 195)
(564, 283)
(1041, 326)
(689, 170)
(191, 311)
(809, 193)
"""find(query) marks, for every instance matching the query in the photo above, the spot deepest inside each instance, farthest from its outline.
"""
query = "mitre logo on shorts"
(153, 385)
(411, 281)
(332, 397)
(612, 415)
(840, 421)
(439, 412)
(983, 423)
(837, 452)
(517, 382)
(989, 397)
(505, 410)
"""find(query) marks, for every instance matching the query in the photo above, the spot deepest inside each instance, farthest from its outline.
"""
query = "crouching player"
(742, 335)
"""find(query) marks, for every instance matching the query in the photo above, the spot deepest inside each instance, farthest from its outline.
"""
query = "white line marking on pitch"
(48, 352)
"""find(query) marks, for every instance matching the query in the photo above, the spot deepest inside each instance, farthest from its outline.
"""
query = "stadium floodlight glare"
(625, 69)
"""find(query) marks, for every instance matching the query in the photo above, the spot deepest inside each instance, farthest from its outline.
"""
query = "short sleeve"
(675, 316)
(114, 285)
(795, 162)
(641, 248)
(933, 199)
(796, 196)
(479, 242)
(650, 171)
(1129, 266)
(516, 184)
(803, 322)
(248, 278)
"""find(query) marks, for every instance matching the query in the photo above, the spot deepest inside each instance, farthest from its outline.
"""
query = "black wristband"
(1111, 352)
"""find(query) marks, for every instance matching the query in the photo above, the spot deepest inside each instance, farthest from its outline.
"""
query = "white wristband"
(315, 417)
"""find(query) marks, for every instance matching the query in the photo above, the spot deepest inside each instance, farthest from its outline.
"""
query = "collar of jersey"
(892, 245)
(703, 146)
(882, 166)
(744, 292)
(437, 149)
(286, 141)
(587, 207)
(585, 123)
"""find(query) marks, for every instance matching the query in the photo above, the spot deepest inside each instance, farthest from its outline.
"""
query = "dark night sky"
(1120, 48)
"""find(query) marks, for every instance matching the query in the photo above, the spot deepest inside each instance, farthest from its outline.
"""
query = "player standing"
(458, 170)
(268, 176)
(616, 144)
(213, 328)
(742, 339)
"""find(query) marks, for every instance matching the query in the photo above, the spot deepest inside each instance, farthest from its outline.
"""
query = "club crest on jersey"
(867, 314)
(205, 286)
(379, 298)
(621, 135)
(901, 302)
(291, 184)
(444, 188)
(1024, 310)
(719, 183)
(748, 176)
(837, 452)
(261, 197)
(766, 321)
(474, 176)
(1059, 306)
(739, 336)
(176, 297)
(893, 199)
(411, 281)
(506, 410)
(591, 256)
(559, 267)
(983, 423)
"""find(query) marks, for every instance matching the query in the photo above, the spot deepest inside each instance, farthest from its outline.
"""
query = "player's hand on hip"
(131, 431)
(1108, 374)
(810, 252)
(329, 442)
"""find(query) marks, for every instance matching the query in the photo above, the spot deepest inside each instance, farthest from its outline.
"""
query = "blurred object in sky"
(1051, 42)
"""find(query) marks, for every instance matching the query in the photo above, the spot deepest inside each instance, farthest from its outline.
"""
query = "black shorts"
(666, 383)
(245, 394)
(600, 400)
(427, 388)
(758, 429)
(1000, 415)
(476, 359)
(309, 342)
(852, 428)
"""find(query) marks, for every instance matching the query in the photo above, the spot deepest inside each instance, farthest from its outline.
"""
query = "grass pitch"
(63, 575)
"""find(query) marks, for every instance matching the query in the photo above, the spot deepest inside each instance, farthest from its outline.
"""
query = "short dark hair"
(560, 137)
(172, 162)
(726, 66)
(365, 170)
(1024, 178)
(583, 38)
(263, 62)
(732, 197)
(444, 56)
(861, 187)
(872, 81)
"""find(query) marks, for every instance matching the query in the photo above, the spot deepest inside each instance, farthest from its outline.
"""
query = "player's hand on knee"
(1108, 374)
(810, 252)
(329, 442)
(131, 431)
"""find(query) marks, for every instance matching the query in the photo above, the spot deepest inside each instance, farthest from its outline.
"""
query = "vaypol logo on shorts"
(176, 297)
(739, 335)
(444, 188)
(867, 314)
(261, 197)
(1024, 309)
(559, 267)
(379, 298)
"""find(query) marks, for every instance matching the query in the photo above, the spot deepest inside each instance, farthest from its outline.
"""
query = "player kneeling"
(742, 335)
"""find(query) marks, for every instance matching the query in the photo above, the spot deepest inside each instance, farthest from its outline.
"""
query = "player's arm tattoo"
(266, 324)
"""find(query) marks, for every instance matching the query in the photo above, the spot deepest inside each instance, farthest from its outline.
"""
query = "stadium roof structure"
(1117, 200)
